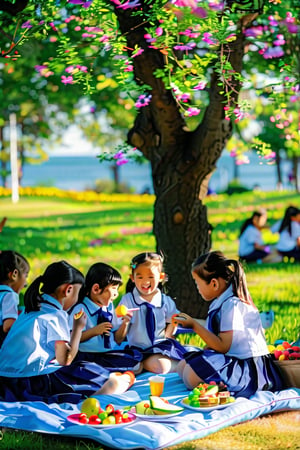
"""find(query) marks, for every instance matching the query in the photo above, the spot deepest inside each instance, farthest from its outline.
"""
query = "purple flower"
(273, 52)
(185, 47)
(118, 155)
(143, 100)
(190, 33)
(183, 97)
(84, 3)
(253, 32)
(26, 24)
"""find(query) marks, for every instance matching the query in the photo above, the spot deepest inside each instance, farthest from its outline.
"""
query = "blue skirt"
(243, 377)
(168, 347)
(69, 384)
(114, 360)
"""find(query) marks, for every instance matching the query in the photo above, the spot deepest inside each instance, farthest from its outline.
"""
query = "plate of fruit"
(156, 409)
(93, 415)
(208, 397)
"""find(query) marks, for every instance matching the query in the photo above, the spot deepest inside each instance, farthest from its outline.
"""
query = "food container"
(290, 370)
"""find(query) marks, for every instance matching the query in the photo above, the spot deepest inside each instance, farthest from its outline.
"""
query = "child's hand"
(126, 319)
(79, 320)
(103, 328)
(183, 319)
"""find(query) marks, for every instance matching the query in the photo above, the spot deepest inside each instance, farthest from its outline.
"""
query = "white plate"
(74, 418)
(205, 408)
(157, 417)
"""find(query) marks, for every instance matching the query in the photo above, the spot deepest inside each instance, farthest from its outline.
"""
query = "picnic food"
(122, 310)
(90, 406)
(207, 395)
(92, 414)
(285, 351)
(79, 314)
(155, 406)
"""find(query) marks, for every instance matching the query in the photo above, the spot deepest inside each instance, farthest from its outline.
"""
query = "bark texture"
(182, 162)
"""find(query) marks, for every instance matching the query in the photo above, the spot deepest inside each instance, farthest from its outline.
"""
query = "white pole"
(14, 158)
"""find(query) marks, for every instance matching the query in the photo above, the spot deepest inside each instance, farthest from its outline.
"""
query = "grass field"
(48, 225)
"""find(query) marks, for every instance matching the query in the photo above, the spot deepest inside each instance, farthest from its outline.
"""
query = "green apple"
(90, 406)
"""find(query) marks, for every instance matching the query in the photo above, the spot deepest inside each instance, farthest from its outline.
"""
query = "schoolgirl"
(150, 328)
(236, 351)
(103, 331)
(36, 357)
(251, 245)
(14, 270)
(289, 234)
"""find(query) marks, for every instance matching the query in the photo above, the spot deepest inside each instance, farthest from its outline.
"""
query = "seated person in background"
(251, 245)
(289, 233)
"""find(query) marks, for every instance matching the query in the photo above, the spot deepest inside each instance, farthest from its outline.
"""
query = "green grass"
(46, 229)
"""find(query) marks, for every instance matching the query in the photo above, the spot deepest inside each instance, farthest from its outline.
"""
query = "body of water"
(80, 173)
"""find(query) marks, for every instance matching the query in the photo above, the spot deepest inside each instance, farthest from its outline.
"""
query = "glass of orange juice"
(156, 383)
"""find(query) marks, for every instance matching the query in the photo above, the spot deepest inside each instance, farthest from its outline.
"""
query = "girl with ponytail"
(37, 357)
(236, 351)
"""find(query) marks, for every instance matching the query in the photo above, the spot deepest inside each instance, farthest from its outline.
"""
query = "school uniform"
(247, 367)
(146, 330)
(28, 369)
(102, 349)
(247, 250)
(9, 302)
(287, 244)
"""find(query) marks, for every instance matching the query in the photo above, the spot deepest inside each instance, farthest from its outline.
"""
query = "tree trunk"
(182, 161)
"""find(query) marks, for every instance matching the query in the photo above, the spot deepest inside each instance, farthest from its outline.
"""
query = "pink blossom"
(280, 40)
(143, 100)
(200, 86)
(185, 3)
(129, 67)
(159, 31)
(189, 33)
(207, 38)
(67, 80)
(118, 155)
(183, 97)
(120, 162)
(193, 111)
(137, 52)
(270, 155)
(127, 4)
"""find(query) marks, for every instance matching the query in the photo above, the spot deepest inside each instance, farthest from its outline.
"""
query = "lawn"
(48, 225)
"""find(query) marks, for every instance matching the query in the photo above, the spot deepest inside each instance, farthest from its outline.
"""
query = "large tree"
(182, 63)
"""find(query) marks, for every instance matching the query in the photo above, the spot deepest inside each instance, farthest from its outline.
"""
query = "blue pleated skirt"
(243, 377)
(168, 347)
(69, 384)
(114, 360)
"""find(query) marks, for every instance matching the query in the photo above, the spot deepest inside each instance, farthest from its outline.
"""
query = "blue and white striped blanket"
(189, 425)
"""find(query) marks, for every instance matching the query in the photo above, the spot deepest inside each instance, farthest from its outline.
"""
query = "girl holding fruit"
(36, 359)
(236, 351)
(103, 331)
(150, 329)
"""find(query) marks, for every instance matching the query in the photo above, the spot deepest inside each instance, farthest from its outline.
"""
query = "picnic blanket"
(146, 434)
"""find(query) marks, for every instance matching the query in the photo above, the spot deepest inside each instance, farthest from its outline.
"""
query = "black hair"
(10, 261)
(102, 274)
(216, 265)
(150, 258)
(55, 275)
(291, 211)
(250, 220)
